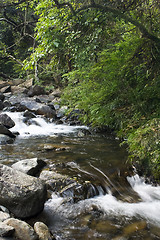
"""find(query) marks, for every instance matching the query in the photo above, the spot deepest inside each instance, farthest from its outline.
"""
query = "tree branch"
(59, 5)
(6, 20)
(122, 15)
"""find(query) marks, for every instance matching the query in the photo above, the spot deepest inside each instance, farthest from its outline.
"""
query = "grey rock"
(6, 230)
(6, 131)
(4, 216)
(29, 166)
(22, 194)
(42, 231)
(22, 229)
(6, 121)
(36, 90)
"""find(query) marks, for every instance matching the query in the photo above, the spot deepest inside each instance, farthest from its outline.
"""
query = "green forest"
(103, 54)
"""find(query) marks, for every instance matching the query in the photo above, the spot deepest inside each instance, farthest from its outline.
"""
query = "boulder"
(5, 230)
(22, 229)
(36, 90)
(6, 131)
(6, 121)
(42, 231)
(29, 166)
(22, 194)
(46, 111)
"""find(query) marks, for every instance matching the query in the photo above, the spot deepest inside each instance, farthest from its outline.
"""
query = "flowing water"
(125, 207)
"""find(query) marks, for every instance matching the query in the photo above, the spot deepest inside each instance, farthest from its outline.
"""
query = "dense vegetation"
(104, 54)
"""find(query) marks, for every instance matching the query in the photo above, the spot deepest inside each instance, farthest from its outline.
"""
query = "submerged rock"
(22, 194)
(4, 139)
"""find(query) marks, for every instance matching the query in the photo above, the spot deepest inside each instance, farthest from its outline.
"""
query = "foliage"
(144, 145)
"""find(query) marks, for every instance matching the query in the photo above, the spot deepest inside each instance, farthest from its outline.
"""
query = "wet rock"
(42, 231)
(5, 230)
(6, 121)
(22, 194)
(6, 104)
(6, 131)
(29, 114)
(22, 229)
(29, 166)
(36, 90)
(4, 139)
(54, 147)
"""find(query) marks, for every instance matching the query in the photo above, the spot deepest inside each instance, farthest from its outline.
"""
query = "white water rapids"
(147, 208)
(38, 126)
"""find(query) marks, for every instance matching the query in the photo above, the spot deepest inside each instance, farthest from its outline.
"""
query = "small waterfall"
(39, 126)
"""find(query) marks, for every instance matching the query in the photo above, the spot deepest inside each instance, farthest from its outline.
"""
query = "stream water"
(125, 206)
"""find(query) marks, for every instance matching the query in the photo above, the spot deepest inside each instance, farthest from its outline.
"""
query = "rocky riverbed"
(25, 185)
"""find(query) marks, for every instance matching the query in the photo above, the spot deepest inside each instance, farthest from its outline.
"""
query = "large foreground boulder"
(22, 194)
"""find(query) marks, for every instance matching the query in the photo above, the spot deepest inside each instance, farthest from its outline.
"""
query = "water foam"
(148, 208)
(39, 126)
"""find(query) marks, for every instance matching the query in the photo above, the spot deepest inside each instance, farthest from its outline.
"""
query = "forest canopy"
(104, 54)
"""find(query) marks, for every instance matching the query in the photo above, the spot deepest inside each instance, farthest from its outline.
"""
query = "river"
(124, 208)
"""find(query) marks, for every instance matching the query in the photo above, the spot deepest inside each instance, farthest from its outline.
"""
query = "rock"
(56, 93)
(6, 131)
(6, 121)
(1, 105)
(4, 216)
(2, 97)
(36, 90)
(22, 229)
(4, 139)
(27, 83)
(29, 114)
(6, 89)
(22, 194)
(46, 111)
(18, 89)
(61, 112)
(29, 166)
(6, 230)
(42, 231)
(3, 84)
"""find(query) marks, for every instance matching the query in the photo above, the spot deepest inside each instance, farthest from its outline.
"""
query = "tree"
(17, 23)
